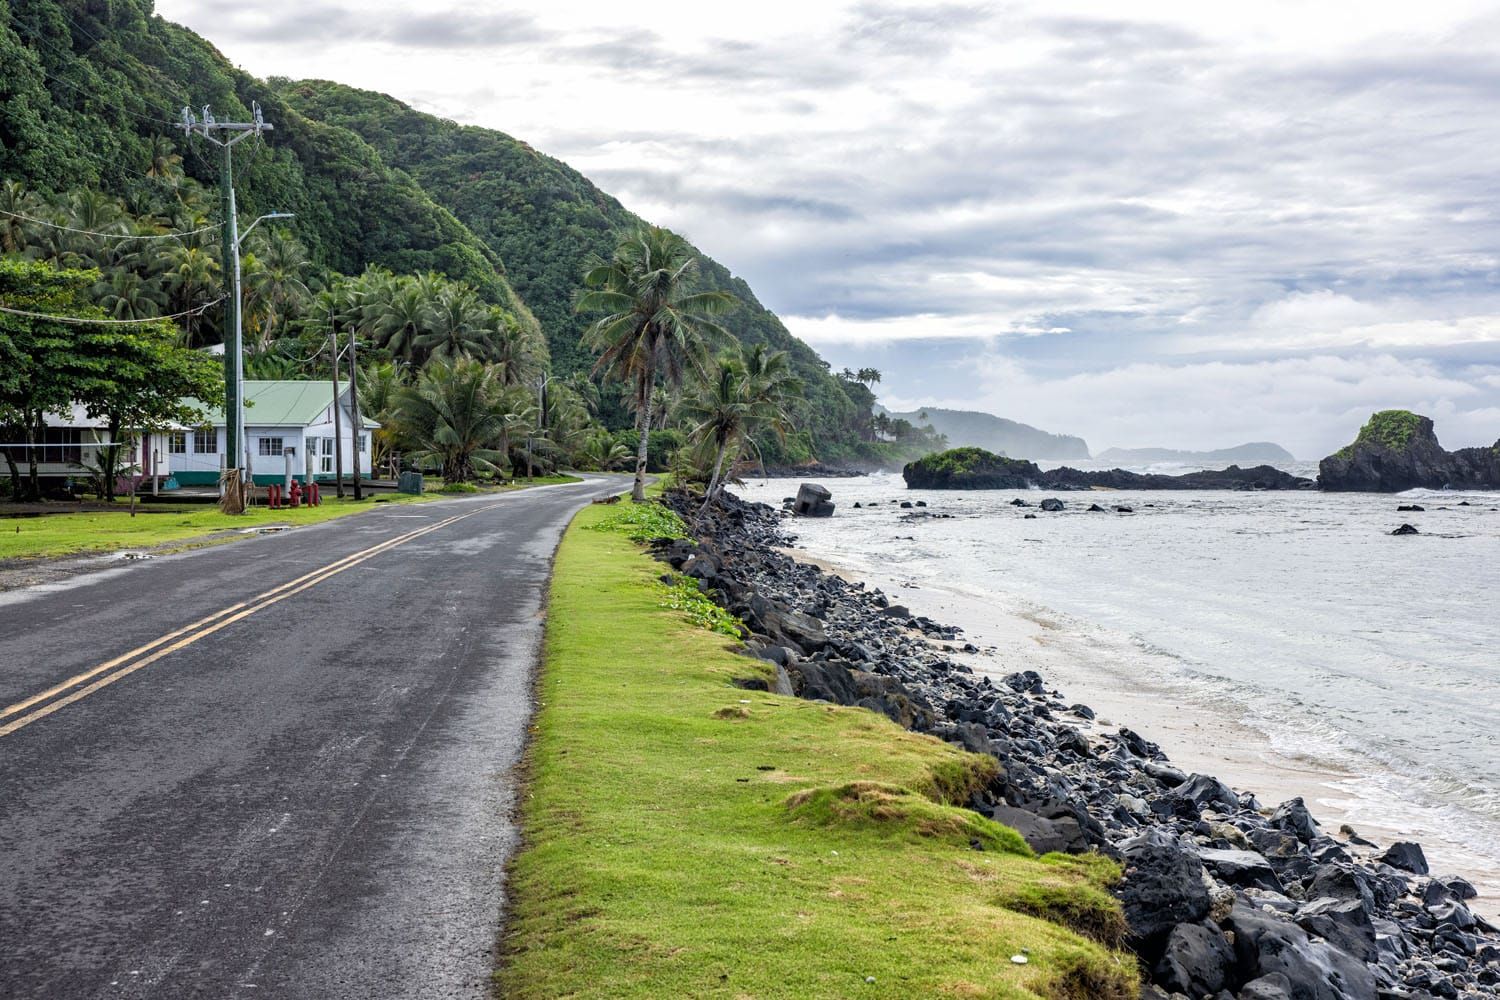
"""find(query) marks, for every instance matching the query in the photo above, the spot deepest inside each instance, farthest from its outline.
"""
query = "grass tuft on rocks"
(893, 811)
(661, 856)
(1086, 908)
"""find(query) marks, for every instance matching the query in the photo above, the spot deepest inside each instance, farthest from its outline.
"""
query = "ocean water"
(1298, 613)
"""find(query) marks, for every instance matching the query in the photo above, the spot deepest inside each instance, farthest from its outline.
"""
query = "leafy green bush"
(457, 488)
(642, 522)
(682, 594)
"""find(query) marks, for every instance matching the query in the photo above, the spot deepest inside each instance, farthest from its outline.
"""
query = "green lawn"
(190, 524)
(685, 837)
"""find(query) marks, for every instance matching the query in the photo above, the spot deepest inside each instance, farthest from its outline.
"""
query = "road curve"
(280, 768)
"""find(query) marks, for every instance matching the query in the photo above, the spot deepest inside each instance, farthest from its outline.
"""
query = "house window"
(270, 447)
(328, 446)
(205, 441)
(177, 443)
(62, 444)
(364, 443)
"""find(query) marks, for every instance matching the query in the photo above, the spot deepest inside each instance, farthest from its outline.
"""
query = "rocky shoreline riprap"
(1225, 897)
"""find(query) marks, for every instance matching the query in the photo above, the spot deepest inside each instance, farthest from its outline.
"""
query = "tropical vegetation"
(415, 242)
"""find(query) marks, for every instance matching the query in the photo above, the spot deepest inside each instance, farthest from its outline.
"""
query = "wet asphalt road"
(312, 801)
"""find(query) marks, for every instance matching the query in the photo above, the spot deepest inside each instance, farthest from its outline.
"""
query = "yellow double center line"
(41, 705)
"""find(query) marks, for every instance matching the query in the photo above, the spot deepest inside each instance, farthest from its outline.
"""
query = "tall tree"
(460, 416)
(654, 325)
(747, 395)
(134, 376)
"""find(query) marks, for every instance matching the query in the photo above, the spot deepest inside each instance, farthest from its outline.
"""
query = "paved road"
(306, 794)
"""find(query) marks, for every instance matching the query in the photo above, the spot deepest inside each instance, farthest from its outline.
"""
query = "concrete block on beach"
(813, 501)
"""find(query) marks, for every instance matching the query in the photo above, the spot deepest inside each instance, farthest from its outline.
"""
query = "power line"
(86, 320)
(113, 236)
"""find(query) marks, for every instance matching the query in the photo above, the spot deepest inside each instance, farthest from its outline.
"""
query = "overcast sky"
(1183, 226)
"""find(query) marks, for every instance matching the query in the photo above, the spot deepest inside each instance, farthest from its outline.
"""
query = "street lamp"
(239, 348)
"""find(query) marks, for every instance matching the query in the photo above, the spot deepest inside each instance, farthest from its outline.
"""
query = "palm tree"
(16, 200)
(380, 385)
(126, 295)
(601, 451)
(165, 163)
(192, 277)
(747, 394)
(508, 350)
(654, 326)
(275, 284)
(457, 413)
(455, 324)
(403, 319)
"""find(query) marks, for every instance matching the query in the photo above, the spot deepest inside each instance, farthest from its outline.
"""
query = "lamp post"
(239, 348)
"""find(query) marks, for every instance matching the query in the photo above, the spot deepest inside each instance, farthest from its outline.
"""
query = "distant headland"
(1395, 450)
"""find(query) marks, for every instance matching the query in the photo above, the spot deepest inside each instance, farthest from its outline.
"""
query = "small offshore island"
(1395, 450)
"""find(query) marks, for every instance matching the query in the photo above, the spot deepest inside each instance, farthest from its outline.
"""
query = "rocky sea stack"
(1398, 450)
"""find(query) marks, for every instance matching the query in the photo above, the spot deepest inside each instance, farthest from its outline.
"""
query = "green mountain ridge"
(90, 93)
(546, 219)
(84, 91)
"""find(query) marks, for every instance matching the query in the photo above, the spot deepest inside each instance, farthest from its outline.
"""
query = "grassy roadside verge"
(52, 535)
(684, 837)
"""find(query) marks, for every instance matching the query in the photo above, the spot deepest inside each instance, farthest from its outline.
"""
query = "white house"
(284, 420)
(70, 442)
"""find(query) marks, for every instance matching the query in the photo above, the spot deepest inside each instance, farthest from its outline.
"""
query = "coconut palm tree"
(191, 279)
(276, 284)
(403, 319)
(654, 326)
(380, 385)
(17, 200)
(748, 394)
(126, 295)
(456, 324)
(457, 414)
(599, 450)
(165, 163)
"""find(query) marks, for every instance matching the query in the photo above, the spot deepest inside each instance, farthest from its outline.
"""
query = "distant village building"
(284, 419)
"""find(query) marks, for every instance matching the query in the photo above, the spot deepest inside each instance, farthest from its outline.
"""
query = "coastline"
(1199, 733)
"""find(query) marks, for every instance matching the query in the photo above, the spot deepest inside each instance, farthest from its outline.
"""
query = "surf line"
(128, 663)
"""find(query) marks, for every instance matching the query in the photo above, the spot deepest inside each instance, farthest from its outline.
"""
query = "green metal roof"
(283, 403)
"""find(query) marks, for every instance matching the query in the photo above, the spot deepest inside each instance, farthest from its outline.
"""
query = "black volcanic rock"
(1398, 450)
(975, 468)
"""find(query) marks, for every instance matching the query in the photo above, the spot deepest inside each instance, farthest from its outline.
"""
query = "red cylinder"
(296, 493)
(273, 496)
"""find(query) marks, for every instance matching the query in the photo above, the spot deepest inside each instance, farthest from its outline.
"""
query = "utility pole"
(359, 425)
(338, 432)
(234, 417)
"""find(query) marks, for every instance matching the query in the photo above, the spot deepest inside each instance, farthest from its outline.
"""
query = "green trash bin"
(409, 482)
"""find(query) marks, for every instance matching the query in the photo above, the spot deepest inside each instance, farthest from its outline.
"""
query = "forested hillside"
(90, 98)
(545, 219)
